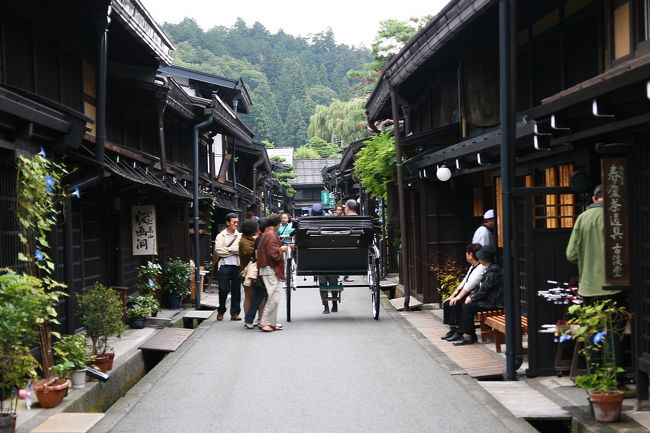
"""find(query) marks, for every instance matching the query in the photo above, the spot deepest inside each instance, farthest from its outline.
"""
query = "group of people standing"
(481, 289)
(263, 241)
(257, 242)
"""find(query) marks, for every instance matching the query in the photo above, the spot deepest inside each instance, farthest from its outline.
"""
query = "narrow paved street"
(341, 372)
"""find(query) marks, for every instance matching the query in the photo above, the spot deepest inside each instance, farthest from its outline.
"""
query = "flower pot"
(50, 392)
(137, 323)
(105, 362)
(78, 378)
(7, 422)
(607, 405)
(174, 302)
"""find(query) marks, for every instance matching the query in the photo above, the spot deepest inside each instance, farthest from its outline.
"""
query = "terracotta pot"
(50, 392)
(7, 423)
(105, 362)
(607, 405)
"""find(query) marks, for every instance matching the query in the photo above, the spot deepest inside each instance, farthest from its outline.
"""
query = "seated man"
(487, 296)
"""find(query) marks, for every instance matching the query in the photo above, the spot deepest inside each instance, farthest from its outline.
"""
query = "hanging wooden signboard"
(143, 226)
(617, 240)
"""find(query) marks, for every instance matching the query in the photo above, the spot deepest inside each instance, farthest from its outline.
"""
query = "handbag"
(249, 274)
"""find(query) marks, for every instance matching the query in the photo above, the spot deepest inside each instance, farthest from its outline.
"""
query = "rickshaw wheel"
(374, 281)
(289, 278)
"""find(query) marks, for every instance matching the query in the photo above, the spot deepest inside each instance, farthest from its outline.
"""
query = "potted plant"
(24, 304)
(101, 312)
(596, 326)
(449, 276)
(141, 307)
(72, 356)
(176, 277)
(149, 284)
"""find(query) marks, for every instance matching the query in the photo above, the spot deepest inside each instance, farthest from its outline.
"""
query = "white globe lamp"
(443, 173)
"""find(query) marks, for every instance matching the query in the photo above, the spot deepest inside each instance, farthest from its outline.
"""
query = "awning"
(132, 171)
(472, 146)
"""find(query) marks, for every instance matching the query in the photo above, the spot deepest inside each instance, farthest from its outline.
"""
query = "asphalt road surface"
(342, 372)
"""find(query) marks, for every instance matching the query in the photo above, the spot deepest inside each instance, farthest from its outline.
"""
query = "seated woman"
(487, 296)
(452, 306)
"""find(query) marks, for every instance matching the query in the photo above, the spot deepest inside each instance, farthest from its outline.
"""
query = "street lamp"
(443, 173)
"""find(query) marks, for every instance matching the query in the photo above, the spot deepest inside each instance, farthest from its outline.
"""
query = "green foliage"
(268, 145)
(24, 304)
(282, 173)
(149, 277)
(340, 122)
(306, 153)
(316, 148)
(391, 37)
(275, 67)
(176, 277)
(295, 124)
(39, 200)
(16, 368)
(71, 353)
(596, 326)
(100, 310)
(141, 307)
(375, 164)
(449, 275)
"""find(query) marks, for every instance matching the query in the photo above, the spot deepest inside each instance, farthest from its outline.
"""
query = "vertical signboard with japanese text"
(143, 224)
(617, 241)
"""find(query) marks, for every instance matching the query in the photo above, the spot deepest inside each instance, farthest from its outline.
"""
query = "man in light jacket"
(226, 258)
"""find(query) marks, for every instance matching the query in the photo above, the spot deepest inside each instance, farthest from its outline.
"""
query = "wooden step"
(69, 422)
(166, 340)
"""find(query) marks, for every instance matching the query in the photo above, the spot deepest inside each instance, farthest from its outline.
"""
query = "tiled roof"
(309, 171)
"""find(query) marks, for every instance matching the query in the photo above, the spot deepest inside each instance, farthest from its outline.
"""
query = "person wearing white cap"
(484, 235)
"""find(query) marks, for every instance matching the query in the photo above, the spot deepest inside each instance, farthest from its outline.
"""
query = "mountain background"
(286, 76)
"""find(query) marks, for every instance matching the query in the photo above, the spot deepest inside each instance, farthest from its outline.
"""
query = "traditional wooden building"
(582, 80)
(99, 96)
(308, 183)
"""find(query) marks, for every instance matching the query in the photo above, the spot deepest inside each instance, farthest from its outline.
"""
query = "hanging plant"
(40, 199)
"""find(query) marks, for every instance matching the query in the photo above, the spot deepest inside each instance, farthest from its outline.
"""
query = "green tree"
(391, 37)
(282, 173)
(295, 124)
(340, 122)
(292, 85)
(316, 146)
(375, 164)
(306, 153)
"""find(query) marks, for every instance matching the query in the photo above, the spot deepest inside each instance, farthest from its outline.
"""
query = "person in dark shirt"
(487, 296)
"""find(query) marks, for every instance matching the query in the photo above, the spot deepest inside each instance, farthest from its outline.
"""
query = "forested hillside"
(286, 76)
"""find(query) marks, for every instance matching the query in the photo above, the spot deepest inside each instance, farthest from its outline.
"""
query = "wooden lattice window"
(478, 201)
(553, 211)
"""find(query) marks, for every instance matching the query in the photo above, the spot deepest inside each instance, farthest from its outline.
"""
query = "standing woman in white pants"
(270, 262)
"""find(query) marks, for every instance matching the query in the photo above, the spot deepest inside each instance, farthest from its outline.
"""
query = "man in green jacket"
(587, 249)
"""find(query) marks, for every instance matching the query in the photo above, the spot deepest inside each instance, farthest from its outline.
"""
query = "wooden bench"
(498, 325)
(480, 317)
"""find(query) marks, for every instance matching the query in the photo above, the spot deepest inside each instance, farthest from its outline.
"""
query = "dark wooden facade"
(50, 97)
(583, 69)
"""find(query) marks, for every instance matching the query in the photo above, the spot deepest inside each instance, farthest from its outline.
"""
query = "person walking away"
(286, 229)
(325, 280)
(226, 254)
(484, 234)
(270, 262)
(487, 296)
(586, 248)
(452, 306)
